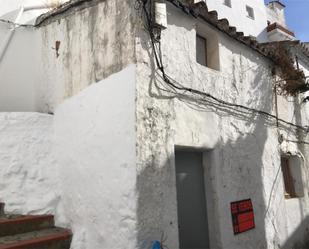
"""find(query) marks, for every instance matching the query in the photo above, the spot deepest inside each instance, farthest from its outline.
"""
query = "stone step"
(52, 238)
(1, 209)
(14, 224)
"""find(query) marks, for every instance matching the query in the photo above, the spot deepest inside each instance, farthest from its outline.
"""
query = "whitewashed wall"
(45, 78)
(95, 41)
(28, 172)
(19, 70)
(242, 150)
(274, 15)
(78, 164)
(91, 192)
(95, 147)
(115, 157)
(237, 16)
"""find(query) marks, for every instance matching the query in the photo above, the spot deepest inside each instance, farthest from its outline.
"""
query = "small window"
(207, 48)
(292, 176)
(250, 12)
(227, 3)
(201, 50)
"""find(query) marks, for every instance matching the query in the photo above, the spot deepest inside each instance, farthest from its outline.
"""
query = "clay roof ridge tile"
(224, 24)
(200, 9)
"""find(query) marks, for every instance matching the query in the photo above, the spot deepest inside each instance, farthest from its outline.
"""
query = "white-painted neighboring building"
(131, 133)
(236, 12)
(32, 9)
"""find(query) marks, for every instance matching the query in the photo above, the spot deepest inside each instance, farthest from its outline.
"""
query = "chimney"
(276, 9)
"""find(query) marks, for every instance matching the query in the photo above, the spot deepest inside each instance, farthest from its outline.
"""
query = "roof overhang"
(277, 32)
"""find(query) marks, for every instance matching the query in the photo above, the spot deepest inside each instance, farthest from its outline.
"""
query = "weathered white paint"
(242, 151)
(45, 82)
(78, 164)
(113, 142)
(103, 29)
(45, 78)
(28, 169)
(279, 35)
(95, 145)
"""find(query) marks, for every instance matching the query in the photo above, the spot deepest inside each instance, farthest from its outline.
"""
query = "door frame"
(210, 166)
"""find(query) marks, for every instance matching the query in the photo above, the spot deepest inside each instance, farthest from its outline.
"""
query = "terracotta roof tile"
(200, 10)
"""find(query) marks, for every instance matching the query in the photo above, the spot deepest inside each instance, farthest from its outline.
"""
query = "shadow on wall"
(245, 156)
(239, 174)
(301, 234)
(238, 177)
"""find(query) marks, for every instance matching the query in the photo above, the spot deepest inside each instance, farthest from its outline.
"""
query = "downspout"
(22, 9)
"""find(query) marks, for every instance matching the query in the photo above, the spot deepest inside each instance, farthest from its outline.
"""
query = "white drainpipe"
(22, 9)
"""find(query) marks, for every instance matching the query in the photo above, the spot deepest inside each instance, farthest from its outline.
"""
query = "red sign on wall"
(242, 216)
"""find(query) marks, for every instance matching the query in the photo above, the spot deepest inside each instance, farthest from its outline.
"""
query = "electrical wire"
(156, 46)
(177, 86)
(297, 142)
(17, 25)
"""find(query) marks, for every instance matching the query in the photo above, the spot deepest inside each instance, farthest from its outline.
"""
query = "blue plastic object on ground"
(156, 245)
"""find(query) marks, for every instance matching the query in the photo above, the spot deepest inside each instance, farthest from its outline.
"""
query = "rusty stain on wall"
(57, 47)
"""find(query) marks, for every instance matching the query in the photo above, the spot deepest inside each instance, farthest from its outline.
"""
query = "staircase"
(31, 232)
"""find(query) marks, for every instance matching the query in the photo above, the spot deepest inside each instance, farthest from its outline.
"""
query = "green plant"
(293, 80)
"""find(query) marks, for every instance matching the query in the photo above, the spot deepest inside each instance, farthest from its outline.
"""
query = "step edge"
(27, 218)
(57, 236)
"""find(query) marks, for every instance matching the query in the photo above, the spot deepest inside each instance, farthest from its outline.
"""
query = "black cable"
(173, 83)
(17, 24)
(297, 142)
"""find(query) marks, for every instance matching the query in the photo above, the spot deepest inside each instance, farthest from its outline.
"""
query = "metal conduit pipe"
(10, 35)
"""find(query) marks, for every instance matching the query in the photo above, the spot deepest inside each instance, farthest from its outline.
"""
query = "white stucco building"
(128, 131)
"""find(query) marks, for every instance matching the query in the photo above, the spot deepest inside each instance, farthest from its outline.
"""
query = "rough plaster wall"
(95, 146)
(242, 150)
(78, 164)
(28, 168)
(298, 226)
(95, 41)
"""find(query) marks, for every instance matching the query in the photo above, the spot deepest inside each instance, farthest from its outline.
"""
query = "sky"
(297, 17)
